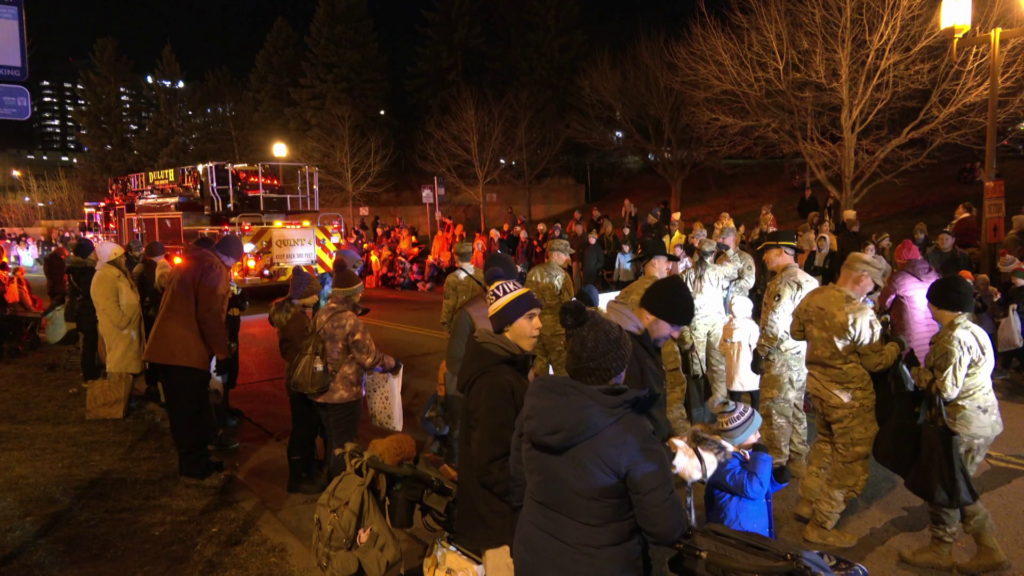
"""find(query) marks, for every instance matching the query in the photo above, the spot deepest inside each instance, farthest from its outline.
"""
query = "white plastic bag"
(55, 327)
(216, 384)
(1008, 336)
(384, 397)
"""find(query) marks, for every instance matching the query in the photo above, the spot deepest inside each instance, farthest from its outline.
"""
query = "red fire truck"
(273, 206)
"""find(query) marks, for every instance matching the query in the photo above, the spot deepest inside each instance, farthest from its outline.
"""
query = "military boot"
(803, 510)
(831, 538)
(937, 555)
(988, 558)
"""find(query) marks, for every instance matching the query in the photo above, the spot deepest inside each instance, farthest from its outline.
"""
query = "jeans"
(89, 329)
(341, 422)
(187, 398)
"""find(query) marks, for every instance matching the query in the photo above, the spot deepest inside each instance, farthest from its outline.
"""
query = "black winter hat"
(499, 262)
(670, 300)
(651, 247)
(346, 282)
(596, 349)
(154, 249)
(952, 293)
(83, 248)
(230, 246)
(302, 284)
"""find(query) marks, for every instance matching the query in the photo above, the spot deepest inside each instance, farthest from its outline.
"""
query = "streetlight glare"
(16, 173)
(956, 14)
(381, 112)
(280, 150)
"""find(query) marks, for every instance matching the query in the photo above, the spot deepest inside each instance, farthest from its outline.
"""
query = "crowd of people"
(711, 326)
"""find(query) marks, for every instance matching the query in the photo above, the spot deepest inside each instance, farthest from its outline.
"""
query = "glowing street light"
(955, 15)
(280, 150)
(16, 173)
(381, 112)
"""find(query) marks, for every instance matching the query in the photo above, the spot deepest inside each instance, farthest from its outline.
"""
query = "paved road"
(405, 324)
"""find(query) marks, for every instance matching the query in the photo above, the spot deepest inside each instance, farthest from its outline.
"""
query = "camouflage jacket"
(709, 295)
(744, 265)
(631, 295)
(959, 367)
(459, 287)
(784, 293)
(844, 344)
(350, 349)
(553, 286)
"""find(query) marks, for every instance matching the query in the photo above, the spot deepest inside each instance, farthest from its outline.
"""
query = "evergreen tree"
(167, 139)
(222, 125)
(458, 52)
(274, 75)
(105, 122)
(545, 45)
(343, 64)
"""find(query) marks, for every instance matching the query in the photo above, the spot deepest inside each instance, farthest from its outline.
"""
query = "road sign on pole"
(15, 102)
(13, 56)
(428, 194)
(994, 211)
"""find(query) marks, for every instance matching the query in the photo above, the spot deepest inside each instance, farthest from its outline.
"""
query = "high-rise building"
(53, 101)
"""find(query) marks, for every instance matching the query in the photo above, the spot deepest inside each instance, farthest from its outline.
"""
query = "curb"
(299, 554)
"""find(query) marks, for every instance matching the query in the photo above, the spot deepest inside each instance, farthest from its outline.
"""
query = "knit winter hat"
(967, 275)
(351, 257)
(107, 252)
(906, 251)
(346, 281)
(231, 246)
(670, 300)
(154, 249)
(1007, 263)
(508, 301)
(83, 248)
(736, 421)
(498, 267)
(952, 293)
(302, 284)
(596, 349)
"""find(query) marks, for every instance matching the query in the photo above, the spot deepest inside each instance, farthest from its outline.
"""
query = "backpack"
(310, 372)
(346, 510)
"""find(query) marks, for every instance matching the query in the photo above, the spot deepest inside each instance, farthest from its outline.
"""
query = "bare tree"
(467, 144)
(53, 196)
(861, 89)
(350, 154)
(633, 103)
(536, 135)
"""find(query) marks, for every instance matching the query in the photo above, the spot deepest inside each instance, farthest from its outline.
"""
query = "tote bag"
(939, 475)
(384, 398)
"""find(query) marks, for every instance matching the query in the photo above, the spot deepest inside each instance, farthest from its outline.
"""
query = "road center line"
(404, 328)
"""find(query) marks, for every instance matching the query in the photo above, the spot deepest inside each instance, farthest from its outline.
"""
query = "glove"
(911, 360)
(397, 368)
(901, 342)
(782, 475)
(757, 364)
(759, 447)
(222, 367)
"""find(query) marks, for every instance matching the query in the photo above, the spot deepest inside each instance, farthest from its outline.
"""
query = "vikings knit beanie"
(508, 301)
(736, 421)
(670, 300)
(952, 293)
(596, 349)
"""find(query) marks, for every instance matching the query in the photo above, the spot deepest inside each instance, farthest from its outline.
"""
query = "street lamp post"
(955, 19)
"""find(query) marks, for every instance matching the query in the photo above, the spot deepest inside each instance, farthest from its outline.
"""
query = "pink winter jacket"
(905, 296)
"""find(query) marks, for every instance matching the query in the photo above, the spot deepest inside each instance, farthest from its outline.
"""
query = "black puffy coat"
(591, 479)
(79, 273)
(493, 381)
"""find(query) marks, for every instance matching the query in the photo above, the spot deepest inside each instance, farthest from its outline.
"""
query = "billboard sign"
(13, 56)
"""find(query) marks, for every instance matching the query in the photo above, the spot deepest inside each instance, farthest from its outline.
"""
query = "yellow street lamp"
(280, 150)
(16, 173)
(955, 18)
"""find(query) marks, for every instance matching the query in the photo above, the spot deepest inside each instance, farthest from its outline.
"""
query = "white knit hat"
(107, 251)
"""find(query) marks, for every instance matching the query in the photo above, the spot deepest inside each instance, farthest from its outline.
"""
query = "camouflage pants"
(675, 387)
(707, 333)
(550, 350)
(840, 457)
(975, 518)
(784, 427)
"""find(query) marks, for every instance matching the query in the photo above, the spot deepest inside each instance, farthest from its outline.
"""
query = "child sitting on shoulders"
(739, 493)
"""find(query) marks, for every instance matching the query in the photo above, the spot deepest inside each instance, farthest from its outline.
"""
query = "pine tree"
(275, 74)
(222, 126)
(458, 52)
(343, 64)
(167, 139)
(106, 122)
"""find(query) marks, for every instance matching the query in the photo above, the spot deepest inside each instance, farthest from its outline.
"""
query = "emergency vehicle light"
(251, 263)
(305, 222)
(177, 259)
(278, 224)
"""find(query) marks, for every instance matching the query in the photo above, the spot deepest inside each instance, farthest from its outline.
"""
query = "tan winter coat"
(350, 349)
(120, 319)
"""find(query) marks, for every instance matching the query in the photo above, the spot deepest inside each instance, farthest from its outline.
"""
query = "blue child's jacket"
(739, 493)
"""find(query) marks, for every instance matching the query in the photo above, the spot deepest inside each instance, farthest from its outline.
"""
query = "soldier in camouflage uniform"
(743, 262)
(709, 283)
(844, 344)
(553, 285)
(781, 360)
(657, 264)
(958, 368)
(460, 285)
